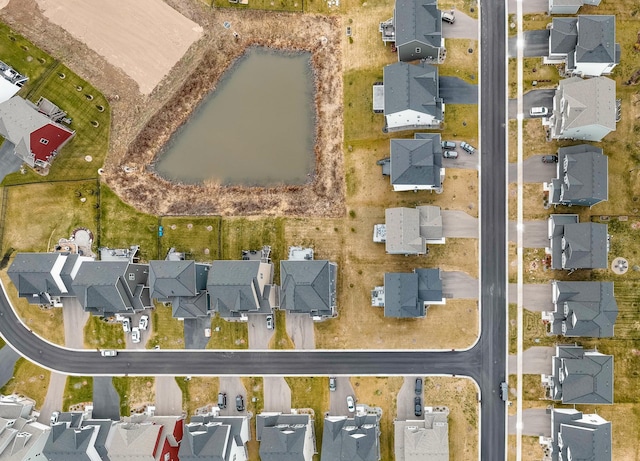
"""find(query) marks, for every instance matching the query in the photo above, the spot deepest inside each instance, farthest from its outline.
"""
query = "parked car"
(549, 159)
(449, 154)
(135, 335)
(54, 417)
(504, 391)
(108, 352)
(332, 384)
(269, 322)
(351, 404)
(126, 325)
(417, 406)
(448, 16)
(539, 112)
(239, 403)
(222, 400)
(467, 147)
(418, 388)
(144, 322)
(448, 144)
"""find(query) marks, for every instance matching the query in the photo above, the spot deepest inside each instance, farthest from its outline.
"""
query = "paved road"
(106, 401)
(338, 398)
(536, 44)
(534, 171)
(168, 396)
(8, 359)
(533, 98)
(277, 394)
(464, 27)
(535, 361)
(454, 90)
(535, 422)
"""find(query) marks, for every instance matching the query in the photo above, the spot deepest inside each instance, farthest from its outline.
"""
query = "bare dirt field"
(145, 38)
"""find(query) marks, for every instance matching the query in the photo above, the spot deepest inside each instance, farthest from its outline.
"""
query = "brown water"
(256, 128)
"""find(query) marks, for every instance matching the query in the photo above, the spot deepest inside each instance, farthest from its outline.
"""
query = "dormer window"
(44, 141)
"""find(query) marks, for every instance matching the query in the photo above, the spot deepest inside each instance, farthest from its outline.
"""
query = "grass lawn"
(134, 392)
(268, 5)
(228, 335)
(360, 123)
(545, 76)
(301, 389)
(79, 389)
(281, 339)
(199, 238)
(255, 390)
(198, 392)
(459, 62)
(98, 333)
(535, 332)
(29, 380)
(167, 332)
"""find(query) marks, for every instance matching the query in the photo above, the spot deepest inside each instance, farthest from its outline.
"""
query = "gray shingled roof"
(234, 287)
(564, 35)
(591, 307)
(168, 279)
(308, 287)
(587, 376)
(203, 442)
(403, 231)
(31, 273)
(351, 439)
(423, 439)
(586, 437)
(191, 307)
(281, 437)
(18, 120)
(68, 443)
(407, 295)
(412, 86)
(104, 428)
(596, 39)
(582, 176)
(585, 244)
(419, 21)
(416, 162)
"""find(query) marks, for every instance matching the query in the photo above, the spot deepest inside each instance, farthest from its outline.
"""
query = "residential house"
(77, 437)
(183, 284)
(285, 437)
(576, 245)
(584, 110)
(120, 254)
(408, 230)
(410, 97)
(569, 6)
(586, 309)
(308, 286)
(215, 438)
(239, 288)
(110, 287)
(586, 45)
(423, 439)
(409, 295)
(351, 439)
(146, 438)
(36, 137)
(10, 81)
(581, 176)
(22, 437)
(416, 30)
(578, 436)
(580, 376)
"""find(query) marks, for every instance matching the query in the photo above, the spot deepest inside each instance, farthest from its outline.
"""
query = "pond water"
(256, 128)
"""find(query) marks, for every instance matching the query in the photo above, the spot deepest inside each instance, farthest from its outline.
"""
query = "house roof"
(581, 376)
(190, 307)
(576, 245)
(427, 438)
(585, 102)
(596, 38)
(582, 175)
(408, 229)
(35, 273)
(69, 443)
(351, 439)
(584, 436)
(407, 295)
(132, 440)
(209, 438)
(564, 35)
(282, 437)
(236, 287)
(308, 287)
(104, 428)
(416, 162)
(412, 87)
(168, 279)
(418, 21)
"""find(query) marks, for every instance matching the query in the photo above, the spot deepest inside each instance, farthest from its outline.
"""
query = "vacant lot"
(29, 380)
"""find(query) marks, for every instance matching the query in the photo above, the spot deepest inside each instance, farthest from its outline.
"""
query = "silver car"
(351, 404)
(449, 154)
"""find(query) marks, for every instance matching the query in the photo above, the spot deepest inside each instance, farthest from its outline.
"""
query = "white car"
(54, 417)
(126, 325)
(351, 404)
(144, 322)
(109, 352)
(539, 112)
(135, 335)
(269, 322)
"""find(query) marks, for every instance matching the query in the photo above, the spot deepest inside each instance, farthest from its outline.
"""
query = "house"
(580, 376)
(408, 230)
(238, 288)
(285, 437)
(415, 164)
(581, 176)
(569, 6)
(423, 439)
(576, 245)
(575, 435)
(586, 309)
(215, 438)
(410, 97)
(77, 437)
(584, 110)
(586, 45)
(120, 254)
(10, 81)
(45, 278)
(182, 283)
(308, 286)
(146, 438)
(37, 138)
(110, 287)
(409, 295)
(351, 439)
(416, 30)
(22, 437)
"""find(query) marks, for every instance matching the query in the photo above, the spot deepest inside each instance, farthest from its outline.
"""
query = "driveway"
(535, 361)
(456, 284)
(464, 161)
(533, 98)
(277, 394)
(530, 6)
(194, 337)
(106, 401)
(9, 162)
(454, 90)
(53, 400)
(534, 171)
(535, 422)
(233, 386)
(144, 334)
(74, 318)
(464, 27)
(259, 335)
(405, 400)
(8, 359)
(168, 396)
(536, 44)
(458, 224)
(301, 331)
(536, 233)
(338, 398)
(537, 296)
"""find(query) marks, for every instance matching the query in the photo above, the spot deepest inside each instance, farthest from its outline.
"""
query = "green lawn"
(99, 333)
(228, 335)
(29, 380)
(79, 389)
(360, 123)
(268, 5)
(535, 332)
(133, 391)
(167, 332)
(198, 237)
(281, 339)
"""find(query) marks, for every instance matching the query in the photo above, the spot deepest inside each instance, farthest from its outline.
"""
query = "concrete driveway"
(464, 161)
(536, 44)
(534, 171)
(194, 337)
(405, 399)
(8, 359)
(233, 386)
(530, 6)
(454, 90)
(106, 401)
(74, 318)
(277, 394)
(536, 233)
(9, 162)
(338, 398)
(457, 284)
(168, 396)
(537, 296)
(533, 98)
(535, 422)
(458, 224)
(535, 361)
(259, 335)
(53, 400)
(464, 27)
(144, 334)
(301, 331)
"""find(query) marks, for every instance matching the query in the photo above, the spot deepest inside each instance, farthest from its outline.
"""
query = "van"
(539, 112)
(222, 400)
(448, 16)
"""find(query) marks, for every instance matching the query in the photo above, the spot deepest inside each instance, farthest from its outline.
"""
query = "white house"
(569, 6)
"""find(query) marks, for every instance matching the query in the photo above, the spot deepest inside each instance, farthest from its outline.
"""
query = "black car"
(418, 406)
(239, 403)
(549, 159)
(418, 388)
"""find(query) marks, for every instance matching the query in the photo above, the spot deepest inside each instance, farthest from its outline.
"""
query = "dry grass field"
(29, 380)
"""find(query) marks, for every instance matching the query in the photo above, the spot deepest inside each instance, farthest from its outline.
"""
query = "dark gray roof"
(407, 295)
(209, 438)
(31, 273)
(585, 437)
(412, 86)
(582, 176)
(581, 376)
(104, 427)
(596, 39)
(585, 244)
(418, 21)
(584, 308)
(68, 443)
(191, 307)
(308, 287)
(351, 439)
(168, 279)
(19, 119)
(281, 437)
(416, 161)
(564, 35)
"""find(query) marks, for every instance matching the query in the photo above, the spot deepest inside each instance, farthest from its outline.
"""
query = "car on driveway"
(549, 159)
(418, 387)
(449, 154)
(239, 403)
(539, 112)
(222, 400)
(126, 325)
(448, 144)
(467, 147)
(417, 406)
(332, 384)
(269, 322)
(144, 322)
(54, 417)
(135, 335)
(351, 404)
(448, 16)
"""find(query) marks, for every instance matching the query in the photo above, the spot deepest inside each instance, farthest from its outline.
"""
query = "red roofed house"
(146, 438)
(37, 138)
